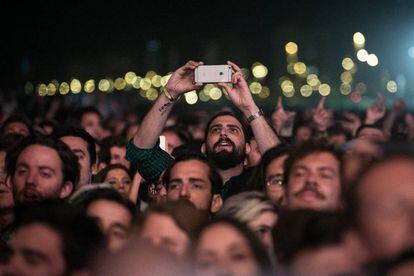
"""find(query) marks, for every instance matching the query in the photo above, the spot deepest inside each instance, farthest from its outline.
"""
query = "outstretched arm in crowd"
(181, 81)
(283, 120)
(143, 153)
(240, 95)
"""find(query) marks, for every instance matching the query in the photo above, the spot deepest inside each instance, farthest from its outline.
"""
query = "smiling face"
(314, 182)
(225, 143)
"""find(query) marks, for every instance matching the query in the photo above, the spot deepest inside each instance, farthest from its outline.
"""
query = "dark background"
(45, 40)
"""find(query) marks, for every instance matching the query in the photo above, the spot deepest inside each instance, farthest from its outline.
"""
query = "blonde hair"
(246, 206)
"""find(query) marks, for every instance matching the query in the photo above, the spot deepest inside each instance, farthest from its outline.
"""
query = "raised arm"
(240, 95)
(181, 81)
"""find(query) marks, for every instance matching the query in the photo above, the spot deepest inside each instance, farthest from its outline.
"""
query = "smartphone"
(163, 143)
(213, 73)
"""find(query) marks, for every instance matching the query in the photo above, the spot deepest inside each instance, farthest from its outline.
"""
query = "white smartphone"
(213, 73)
(163, 143)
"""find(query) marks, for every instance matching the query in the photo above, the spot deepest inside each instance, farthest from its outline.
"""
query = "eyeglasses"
(274, 181)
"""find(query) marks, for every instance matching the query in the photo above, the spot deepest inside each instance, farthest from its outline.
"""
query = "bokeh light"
(347, 63)
(259, 71)
(215, 93)
(255, 87)
(119, 83)
(89, 86)
(130, 77)
(345, 88)
(324, 89)
(191, 97)
(299, 68)
(75, 86)
(64, 88)
(306, 90)
(362, 55)
(42, 89)
(359, 39)
(104, 85)
(372, 60)
(392, 86)
(291, 48)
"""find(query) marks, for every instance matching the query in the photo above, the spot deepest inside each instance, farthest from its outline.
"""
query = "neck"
(229, 173)
(355, 248)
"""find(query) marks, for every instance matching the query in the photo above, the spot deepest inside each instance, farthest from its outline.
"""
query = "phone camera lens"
(221, 73)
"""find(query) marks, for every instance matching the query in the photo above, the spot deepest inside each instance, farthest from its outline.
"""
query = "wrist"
(250, 110)
(254, 116)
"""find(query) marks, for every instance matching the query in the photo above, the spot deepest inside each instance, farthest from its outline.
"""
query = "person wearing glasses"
(268, 175)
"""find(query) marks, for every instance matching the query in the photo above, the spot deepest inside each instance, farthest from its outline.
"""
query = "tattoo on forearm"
(163, 108)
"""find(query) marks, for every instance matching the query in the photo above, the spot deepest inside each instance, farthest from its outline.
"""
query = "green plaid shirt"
(150, 163)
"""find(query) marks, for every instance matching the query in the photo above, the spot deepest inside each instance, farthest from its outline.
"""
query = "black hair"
(80, 133)
(213, 175)
(80, 236)
(305, 229)
(106, 145)
(87, 197)
(20, 118)
(258, 251)
(69, 161)
(102, 174)
(181, 132)
(245, 127)
(257, 181)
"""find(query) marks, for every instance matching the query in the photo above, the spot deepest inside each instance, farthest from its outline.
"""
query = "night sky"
(45, 41)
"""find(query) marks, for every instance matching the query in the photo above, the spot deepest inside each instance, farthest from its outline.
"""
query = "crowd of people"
(238, 192)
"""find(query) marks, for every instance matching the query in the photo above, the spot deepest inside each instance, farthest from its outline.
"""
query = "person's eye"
(113, 182)
(32, 259)
(174, 186)
(215, 129)
(21, 171)
(118, 234)
(197, 186)
(298, 173)
(234, 130)
(127, 182)
(46, 174)
(327, 176)
(238, 256)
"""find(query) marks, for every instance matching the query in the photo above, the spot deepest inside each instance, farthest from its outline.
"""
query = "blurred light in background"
(392, 86)
(347, 63)
(291, 48)
(259, 71)
(346, 77)
(119, 84)
(151, 94)
(299, 68)
(104, 85)
(215, 93)
(145, 83)
(51, 89)
(372, 60)
(191, 97)
(75, 86)
(306, 90)
(89, 86)
(64, 88)
(324, 89)
(345, 88)
(362, 55)
(255, 87)
(359, 40)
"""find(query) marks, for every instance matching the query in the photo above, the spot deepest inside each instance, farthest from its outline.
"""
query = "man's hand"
(182, 80)
(321, 116)
(352, 122)
(240, 93)
(281, 118)
(376, 111)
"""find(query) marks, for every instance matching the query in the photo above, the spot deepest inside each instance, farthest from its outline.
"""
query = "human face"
(91, 122)
(6, 196)
(162, 231)
(225, 143)
(80, 148)
(172, 140)
(114, 220)
(118, 156)
(303, 133)
(262, 226)
(314, 182)
(39, 175)
(17, 128)
(222, 250)
(189, 179)
(274, 171)
(120, 180)
(37, 250)
(386, 200)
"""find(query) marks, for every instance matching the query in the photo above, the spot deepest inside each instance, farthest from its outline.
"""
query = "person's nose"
(311, 179)
(184, 192)
(31, 177)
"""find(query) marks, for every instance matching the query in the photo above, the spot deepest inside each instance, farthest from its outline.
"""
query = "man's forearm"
(265, 137)
(153, 123)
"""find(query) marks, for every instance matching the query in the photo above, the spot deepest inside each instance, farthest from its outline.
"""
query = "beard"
(225, 159)
(30, 194)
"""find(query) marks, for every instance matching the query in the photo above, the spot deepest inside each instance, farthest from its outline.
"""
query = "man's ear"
(203, 148)
(247, 148)
(216, 203)
(66, 189)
